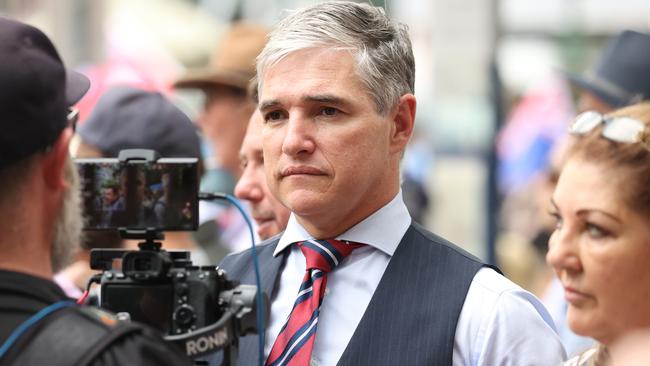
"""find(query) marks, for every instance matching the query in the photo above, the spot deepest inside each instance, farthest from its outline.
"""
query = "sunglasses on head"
(619, 129)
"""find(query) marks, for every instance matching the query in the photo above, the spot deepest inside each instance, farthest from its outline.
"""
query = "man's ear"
(54, 161)
(403, 122)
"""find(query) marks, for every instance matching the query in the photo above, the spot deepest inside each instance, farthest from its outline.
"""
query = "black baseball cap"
(36, 91)
(130, 118)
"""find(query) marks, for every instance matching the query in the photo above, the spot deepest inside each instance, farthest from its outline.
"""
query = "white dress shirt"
(500, 323)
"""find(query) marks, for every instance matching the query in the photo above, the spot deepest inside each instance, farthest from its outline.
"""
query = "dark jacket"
(23, 295)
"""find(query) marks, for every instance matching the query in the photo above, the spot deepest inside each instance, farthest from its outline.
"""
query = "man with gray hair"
(353, 281)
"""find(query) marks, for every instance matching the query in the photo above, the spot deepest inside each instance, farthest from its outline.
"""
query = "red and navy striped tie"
(296, 339)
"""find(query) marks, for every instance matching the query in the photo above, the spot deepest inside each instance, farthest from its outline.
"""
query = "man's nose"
(299, 136)
(247, 188)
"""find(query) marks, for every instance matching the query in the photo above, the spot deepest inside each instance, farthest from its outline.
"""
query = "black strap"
(74, 336)
(30, 323)
(123, 330)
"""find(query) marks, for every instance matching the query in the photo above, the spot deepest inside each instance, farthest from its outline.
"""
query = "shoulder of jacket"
(268, 244)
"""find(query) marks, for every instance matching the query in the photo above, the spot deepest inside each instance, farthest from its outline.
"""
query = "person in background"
(269, 214)
(40, 220)
(600, 248)
(223, 121)
(353, 280)
(620, 77)
(227, 107)
(110, 202)
(129, 118)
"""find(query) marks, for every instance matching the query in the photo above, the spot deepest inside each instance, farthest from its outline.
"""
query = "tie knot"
(326, 254)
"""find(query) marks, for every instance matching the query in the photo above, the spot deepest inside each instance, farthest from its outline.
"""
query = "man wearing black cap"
(620, 77)
(40, 219)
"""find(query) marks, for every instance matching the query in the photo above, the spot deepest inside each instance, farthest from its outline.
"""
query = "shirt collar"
(382, 230)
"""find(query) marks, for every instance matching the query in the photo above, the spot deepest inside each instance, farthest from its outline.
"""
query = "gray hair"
(382, 49)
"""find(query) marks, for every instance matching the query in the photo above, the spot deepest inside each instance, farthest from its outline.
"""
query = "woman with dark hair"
(600, 248)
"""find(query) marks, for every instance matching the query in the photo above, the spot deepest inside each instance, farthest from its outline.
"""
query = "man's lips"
(300, 170)
(262, 219)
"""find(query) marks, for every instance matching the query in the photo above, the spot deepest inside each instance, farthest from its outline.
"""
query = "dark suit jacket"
(411, 318)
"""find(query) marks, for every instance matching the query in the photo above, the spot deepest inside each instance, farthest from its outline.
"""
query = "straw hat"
(233, 63)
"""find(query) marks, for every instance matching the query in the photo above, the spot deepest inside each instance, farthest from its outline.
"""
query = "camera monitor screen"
(139, 195)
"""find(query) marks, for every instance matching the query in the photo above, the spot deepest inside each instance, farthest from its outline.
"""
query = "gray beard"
(67, 228)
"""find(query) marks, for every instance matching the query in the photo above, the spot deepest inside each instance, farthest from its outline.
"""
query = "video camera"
(197, 308)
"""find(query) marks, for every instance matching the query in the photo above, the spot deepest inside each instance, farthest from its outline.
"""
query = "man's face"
(110, 196)
(223, 121)
(328, 155)
(271, 216)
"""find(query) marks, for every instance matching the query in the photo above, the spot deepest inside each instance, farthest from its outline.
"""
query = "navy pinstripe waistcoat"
(403, 325)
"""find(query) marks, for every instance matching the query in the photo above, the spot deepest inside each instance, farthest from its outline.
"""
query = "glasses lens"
(585, 122)
(623, 129)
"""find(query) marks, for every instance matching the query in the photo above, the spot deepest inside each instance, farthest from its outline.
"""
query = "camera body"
(161, 289)
(197, 308)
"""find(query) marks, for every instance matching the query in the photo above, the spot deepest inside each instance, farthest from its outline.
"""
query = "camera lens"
(184, 315)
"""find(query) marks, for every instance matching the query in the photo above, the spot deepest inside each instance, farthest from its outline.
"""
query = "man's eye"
(329, 111)
(273, 116)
